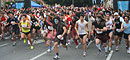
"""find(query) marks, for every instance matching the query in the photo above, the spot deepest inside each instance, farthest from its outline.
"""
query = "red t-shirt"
(69, 21)
(3, 19)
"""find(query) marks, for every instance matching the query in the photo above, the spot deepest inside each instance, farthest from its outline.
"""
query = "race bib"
(118, 30)
(24, 25)
(99, 32)
(50, 27)
(59, 37)
(13, 22)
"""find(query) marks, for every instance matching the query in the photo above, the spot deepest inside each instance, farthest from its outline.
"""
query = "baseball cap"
(116, 13)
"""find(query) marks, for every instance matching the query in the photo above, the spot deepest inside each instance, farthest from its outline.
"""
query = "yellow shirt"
(25, 24)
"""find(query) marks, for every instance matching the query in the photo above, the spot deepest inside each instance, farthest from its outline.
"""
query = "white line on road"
(46, 52)
(4, 44)
(89, 44)
(110, 55)
(40, 54)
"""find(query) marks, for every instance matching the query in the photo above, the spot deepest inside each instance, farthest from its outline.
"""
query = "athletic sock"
(98, 46)
(76, 42)
(106, 49)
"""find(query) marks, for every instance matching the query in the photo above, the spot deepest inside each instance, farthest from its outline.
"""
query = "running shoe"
(84, 54)
(32, 47)
(117, 49)
(99, 52)
(14, 43)
(128, 51)
(50, 48)
(25, 41)
(56, 57)
(77, 46)
(109, 49)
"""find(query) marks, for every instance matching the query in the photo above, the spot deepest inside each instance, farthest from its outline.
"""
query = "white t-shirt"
(109, 23)
(82, 27)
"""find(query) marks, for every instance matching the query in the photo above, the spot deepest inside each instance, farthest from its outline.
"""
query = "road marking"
(89, 44)
(4, 44)
(38, 42)
(42, 53)
(47, 52)
(110, 55)
(39, 55)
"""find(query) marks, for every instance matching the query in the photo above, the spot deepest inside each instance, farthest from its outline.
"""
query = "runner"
(101, 36)
(109, 25)
(74, 33)
(90, 19)
(81, 32)
(25, 29)
(35, 26)
(118, 21)
(3, 26)
(51, 32)
(126, 30)
(45, 28)
(15, 28)
(60, 36)
(70, 25)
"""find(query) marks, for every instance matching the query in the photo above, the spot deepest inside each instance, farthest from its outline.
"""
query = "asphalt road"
(22, 52)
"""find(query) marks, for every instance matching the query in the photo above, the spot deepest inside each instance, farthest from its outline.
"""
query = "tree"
(69, 2)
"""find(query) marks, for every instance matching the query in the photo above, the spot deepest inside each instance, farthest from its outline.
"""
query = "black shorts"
(104, 38)
(108, 31)
(81, 36)
(26, 33)
(16, 30)
(126, 36)
(118, 33)
(61, 41)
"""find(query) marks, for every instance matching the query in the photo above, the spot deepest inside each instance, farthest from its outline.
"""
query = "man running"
(81, 31)
(35, 26)
(25, 29)
(101, 36)
(60, 35)
(109, 25)
(15, 28)
(126, 30)
(118, 21)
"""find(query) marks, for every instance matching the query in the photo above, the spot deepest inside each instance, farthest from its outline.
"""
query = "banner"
(123, 5)
(19, 5)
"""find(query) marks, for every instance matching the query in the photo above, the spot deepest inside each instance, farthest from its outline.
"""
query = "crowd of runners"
(65, 25)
